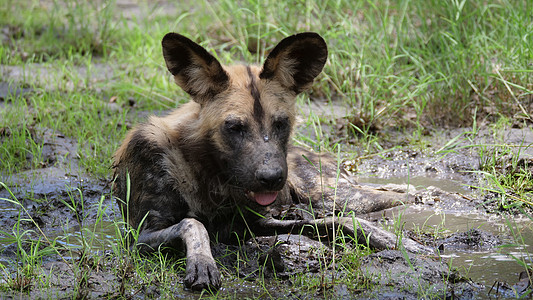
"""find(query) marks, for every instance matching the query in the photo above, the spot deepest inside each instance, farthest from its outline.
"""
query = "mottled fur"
(214, 153)
(228, 148)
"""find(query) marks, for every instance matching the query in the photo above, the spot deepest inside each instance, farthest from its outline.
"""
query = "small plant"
(507, 175)
(31, 247)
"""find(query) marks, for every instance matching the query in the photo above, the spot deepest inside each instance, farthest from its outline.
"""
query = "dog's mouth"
(264, 198)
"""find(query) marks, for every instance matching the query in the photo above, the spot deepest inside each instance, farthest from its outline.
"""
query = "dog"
(224, 160)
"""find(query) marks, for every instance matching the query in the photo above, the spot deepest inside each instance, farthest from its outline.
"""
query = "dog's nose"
(270, 178)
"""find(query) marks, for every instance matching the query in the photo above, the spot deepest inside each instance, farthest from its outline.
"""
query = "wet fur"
(192, 171)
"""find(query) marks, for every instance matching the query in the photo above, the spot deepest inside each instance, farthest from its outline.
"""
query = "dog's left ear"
(296, 61)
(195, 70)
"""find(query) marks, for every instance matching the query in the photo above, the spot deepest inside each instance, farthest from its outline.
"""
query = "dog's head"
(247, 112)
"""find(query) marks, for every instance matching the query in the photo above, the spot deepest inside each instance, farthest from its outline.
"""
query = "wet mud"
(57, 197)
(404, 275)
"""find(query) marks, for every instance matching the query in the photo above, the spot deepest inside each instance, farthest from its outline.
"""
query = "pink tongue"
(265, 198)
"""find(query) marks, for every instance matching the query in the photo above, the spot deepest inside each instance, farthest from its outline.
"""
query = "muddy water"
(499, 261)
(99, 237)
(449, 185)
(486, 266)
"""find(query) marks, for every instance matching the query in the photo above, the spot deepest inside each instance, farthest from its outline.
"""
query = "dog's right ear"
(296, 61)
(195, 70)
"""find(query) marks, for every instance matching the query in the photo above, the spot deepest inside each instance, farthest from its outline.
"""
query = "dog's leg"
(362, 199)
(377, 238)
(315, 178)
(201, 270)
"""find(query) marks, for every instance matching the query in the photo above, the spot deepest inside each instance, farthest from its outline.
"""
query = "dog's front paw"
(202, 273)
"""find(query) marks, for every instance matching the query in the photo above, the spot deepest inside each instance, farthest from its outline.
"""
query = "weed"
(507, 174)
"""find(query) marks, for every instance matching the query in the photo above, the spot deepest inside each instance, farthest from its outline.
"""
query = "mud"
(391, 273)
(403, 275)
(471, 240)
(275, 256)
(58, 197)
(11, 91)
(58, 77)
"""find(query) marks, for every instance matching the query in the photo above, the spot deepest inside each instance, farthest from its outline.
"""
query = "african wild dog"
(192, 170)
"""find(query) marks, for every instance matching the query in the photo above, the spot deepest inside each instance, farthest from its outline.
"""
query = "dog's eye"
(281, 124)
(235, 127)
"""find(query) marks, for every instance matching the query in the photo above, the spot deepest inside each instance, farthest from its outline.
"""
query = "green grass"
(399, 66)
(407, 64)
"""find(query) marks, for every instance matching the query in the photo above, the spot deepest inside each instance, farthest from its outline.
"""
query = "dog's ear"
(195, 70)
(296, 61)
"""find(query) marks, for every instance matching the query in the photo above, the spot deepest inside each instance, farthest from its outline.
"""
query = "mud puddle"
(449, 185)
(55, 200)
(487, 249)
(490, 250)
(98, 237)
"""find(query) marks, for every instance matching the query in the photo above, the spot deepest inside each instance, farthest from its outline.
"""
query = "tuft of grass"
(57, 29)
(20, 149)
(508, 173)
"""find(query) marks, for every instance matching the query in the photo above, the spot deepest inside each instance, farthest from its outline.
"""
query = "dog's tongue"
(265, 198)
